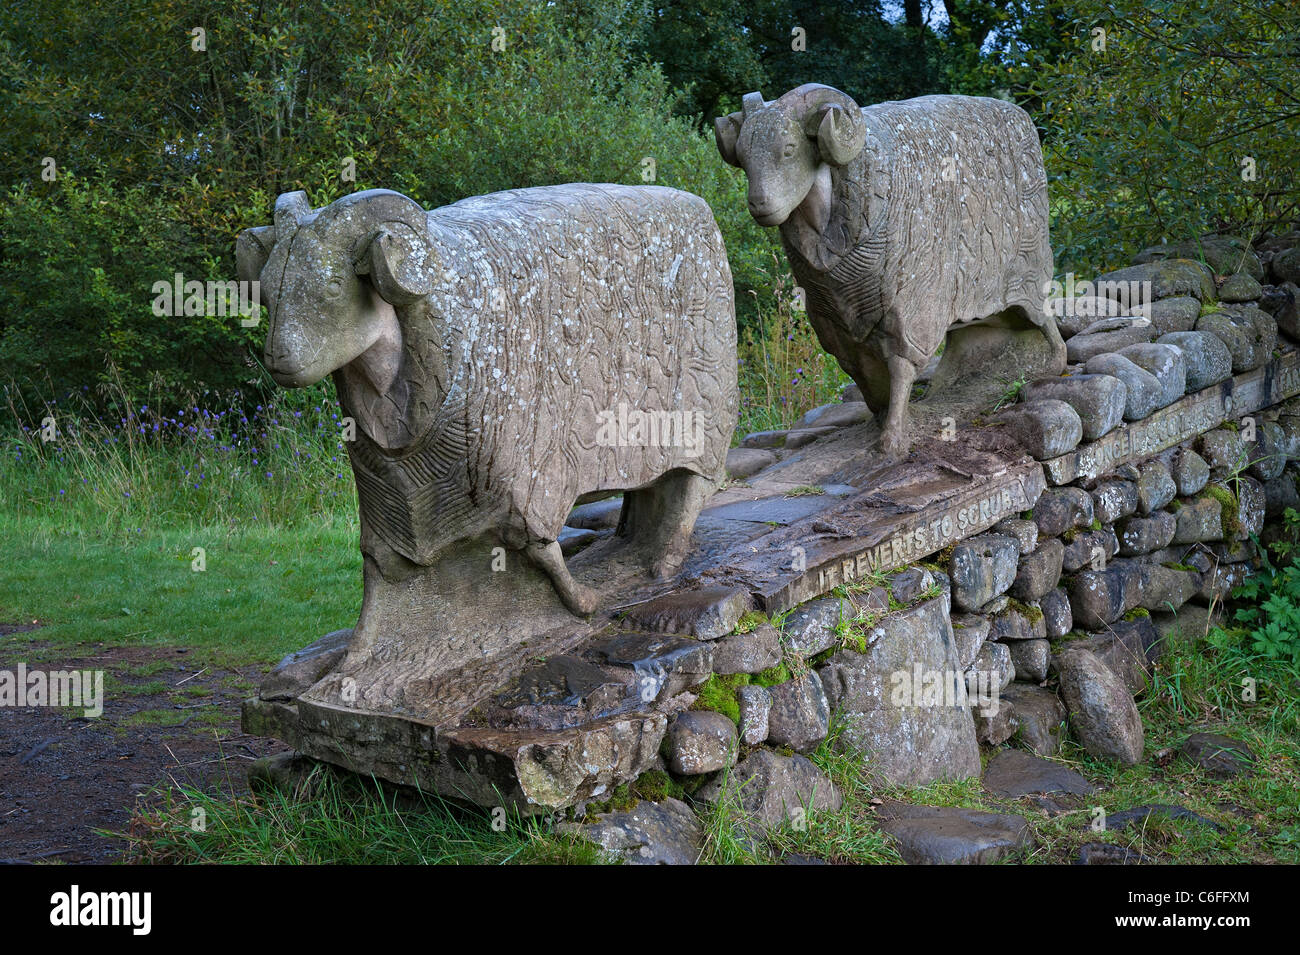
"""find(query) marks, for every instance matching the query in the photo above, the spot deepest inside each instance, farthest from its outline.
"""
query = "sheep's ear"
(399, 263)
(841, 134)
(291, 210)
(726, 130)
(252, 249)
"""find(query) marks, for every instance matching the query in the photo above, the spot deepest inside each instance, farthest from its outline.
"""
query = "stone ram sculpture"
(899, 221)
(485, 349)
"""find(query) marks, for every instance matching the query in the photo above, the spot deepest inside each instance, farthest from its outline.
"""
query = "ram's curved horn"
(726, 130)
(831, 117)
(252, 249)
(389, 238)
(363, 211)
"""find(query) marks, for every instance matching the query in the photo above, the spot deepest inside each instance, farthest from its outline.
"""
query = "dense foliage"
(133, 147)
(1167, 119)
(163, 153)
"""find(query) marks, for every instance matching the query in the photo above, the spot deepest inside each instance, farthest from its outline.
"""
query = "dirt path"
(64, 776)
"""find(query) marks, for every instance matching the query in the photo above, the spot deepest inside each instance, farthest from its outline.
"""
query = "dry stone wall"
(1006, 590)
(1169, 445)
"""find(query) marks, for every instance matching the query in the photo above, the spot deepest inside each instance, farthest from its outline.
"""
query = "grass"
(783, 372)
(107, 524)
(171, 462)
(266, 591)
(845, 835)
(335, 821)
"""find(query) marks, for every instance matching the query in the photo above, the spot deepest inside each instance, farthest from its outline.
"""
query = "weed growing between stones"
(749, 621)
(1011, 394)
(807, 490)
(719, 694)
(1268, 614)
(1288, 543)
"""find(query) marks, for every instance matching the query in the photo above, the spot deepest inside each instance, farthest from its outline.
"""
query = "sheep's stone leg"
(659, 519)
(872, 379)
(895, 439)
(581, 600)
(1055, 343)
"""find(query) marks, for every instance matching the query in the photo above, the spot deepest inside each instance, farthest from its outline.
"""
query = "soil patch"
(65, 778)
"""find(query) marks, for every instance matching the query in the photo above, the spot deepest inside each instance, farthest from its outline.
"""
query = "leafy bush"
(1270, 614)
(1157, 125)
(292, 96)
(81, 256)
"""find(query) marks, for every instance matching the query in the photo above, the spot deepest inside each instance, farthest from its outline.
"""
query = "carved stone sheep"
(492, 352)
(900, 220)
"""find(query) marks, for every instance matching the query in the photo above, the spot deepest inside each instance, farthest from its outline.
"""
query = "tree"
(1169, 119)
(168, 141)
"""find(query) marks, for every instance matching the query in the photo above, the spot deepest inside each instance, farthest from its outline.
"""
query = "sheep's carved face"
(783, 146)
(331, 281)
(780, 162)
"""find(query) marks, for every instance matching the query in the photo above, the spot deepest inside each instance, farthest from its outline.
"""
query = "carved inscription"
(908, 540)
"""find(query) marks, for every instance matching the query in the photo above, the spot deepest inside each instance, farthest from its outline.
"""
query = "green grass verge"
(330, 821)
(265, 591)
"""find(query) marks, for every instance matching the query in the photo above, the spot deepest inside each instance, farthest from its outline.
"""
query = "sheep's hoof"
(666, 567)
(894, 442)
(581, 601)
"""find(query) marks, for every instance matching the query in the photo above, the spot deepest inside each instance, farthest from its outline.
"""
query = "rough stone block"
(746, 462)
(800, 715)
(772, 789)
(1039, 571)
(1030, 659)
(1046, 428)
(1155, 487)
(1058, 619)
(300, 669)
(1059, 509)
(755, 704)
(905, 743)
(1142, 535)
(1165, 363)
(707, 614)
(1114, 499)
(700, 741)
(1039, 716)
(1101, 710)
(1207, 359)
(945, 835)
(1106, 336)
(751, 652)
(981, 568)
(1099, 400)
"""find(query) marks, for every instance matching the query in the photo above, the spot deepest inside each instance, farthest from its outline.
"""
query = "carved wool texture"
(943, 218)
(554, 305)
